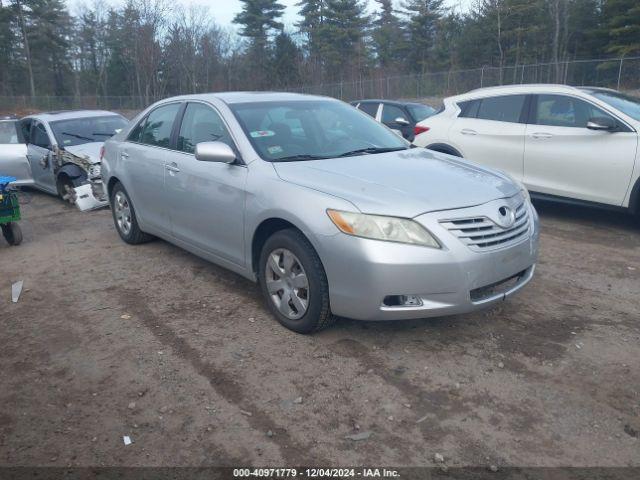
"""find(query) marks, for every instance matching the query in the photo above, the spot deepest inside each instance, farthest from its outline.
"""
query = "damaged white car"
(63, 154)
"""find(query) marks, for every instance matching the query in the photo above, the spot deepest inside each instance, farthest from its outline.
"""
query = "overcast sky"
(223, 11)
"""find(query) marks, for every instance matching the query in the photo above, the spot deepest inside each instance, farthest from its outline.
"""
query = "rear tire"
(124, 217)
(12, 233)
(294, 283)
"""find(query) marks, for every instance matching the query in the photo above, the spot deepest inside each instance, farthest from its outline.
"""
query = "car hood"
(404, 184)
(89, 151)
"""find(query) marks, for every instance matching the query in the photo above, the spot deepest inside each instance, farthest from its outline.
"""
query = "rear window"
(420, 112)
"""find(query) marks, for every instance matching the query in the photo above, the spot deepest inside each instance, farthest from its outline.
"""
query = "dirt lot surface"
(149, 341)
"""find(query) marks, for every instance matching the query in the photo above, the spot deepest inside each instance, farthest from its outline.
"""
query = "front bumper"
(452, 280)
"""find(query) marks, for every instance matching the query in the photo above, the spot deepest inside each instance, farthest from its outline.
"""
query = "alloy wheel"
(122, 211)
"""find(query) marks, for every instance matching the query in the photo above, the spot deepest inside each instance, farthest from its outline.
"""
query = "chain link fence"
(618, 73)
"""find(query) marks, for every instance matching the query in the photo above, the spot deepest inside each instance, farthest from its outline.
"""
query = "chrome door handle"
(173, 168)
(124, 155)
(541, 135)
(468, 131)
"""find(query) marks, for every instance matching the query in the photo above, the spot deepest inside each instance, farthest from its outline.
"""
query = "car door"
(13, 154)
(206, 199)
(144, 156)
(397, 120)
(491, 131)
(563, 157)
(41, 158)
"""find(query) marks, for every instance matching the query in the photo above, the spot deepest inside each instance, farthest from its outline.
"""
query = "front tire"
(294, 283)
(124, 217)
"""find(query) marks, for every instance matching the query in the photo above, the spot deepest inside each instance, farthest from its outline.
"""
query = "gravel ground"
(149, 341)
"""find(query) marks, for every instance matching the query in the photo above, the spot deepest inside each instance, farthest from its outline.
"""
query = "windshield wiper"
(78, 136)
(295, 158)
(106, 134)
(371, 150)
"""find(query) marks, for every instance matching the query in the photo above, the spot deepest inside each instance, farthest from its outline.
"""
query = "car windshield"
(9, 132)
(420, 112)
(86, 130)
(311, 130)
(625, 103)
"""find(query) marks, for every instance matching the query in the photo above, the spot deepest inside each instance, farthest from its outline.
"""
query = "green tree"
(622, 21)
(422, 29)
(286, 61)
(343, 39)
(388, 37)
(259, 20)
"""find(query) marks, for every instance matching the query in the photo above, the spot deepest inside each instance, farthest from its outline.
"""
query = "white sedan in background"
(565, 143)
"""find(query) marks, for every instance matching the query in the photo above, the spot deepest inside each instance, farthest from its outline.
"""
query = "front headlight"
(376, 227)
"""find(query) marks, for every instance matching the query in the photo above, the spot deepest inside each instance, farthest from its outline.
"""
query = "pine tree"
(622, 22)
(343, 34)
(422, 28)
(387, 35)
(286, 61)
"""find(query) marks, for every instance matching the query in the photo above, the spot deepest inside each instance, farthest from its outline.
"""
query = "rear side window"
(369, 108)
(501, 109)
(157, 129)
(469, 109)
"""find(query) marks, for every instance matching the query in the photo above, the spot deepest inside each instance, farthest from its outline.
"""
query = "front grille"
(481, 233)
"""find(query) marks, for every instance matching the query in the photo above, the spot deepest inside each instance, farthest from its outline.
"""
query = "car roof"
(518, 89)
(69, 115)
(249, 97)
(399, 103)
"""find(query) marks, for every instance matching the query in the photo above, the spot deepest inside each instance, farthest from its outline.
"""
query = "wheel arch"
(444, 148)
(634, 198)
(71, 170)
(265, 229)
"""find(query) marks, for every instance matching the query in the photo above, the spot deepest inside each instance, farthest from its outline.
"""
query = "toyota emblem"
(506, 216)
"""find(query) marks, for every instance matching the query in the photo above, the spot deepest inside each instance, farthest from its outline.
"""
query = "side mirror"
(401, 121)
(215, 152)
(607, 124)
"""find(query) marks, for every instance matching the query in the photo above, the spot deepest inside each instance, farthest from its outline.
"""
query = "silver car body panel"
(214, 211)
(14, 162)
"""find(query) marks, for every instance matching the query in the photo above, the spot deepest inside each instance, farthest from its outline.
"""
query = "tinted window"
(563, 111)
(501, 109)
(420, 112)
(9, 132)
(321, 129)
(625, 103)
(136, 133)
(469, 109)
(370, 108)
(157, 128)
(40, 137)
(201, 124)
(78, 131)
(391, 112)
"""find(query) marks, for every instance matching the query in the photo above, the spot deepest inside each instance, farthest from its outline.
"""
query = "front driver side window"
(201, 124)
(563, 111)
(39, 136)
(157, 129)
(391, 112)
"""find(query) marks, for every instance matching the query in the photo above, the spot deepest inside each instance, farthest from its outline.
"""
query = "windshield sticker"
(262, 133)
(275, 150)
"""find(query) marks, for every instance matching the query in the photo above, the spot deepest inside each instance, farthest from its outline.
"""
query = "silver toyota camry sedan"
(331, 212)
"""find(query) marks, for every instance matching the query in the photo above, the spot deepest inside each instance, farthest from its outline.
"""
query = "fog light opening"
(402, 301)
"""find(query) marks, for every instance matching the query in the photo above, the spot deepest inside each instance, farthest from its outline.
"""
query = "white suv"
(562, 142)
